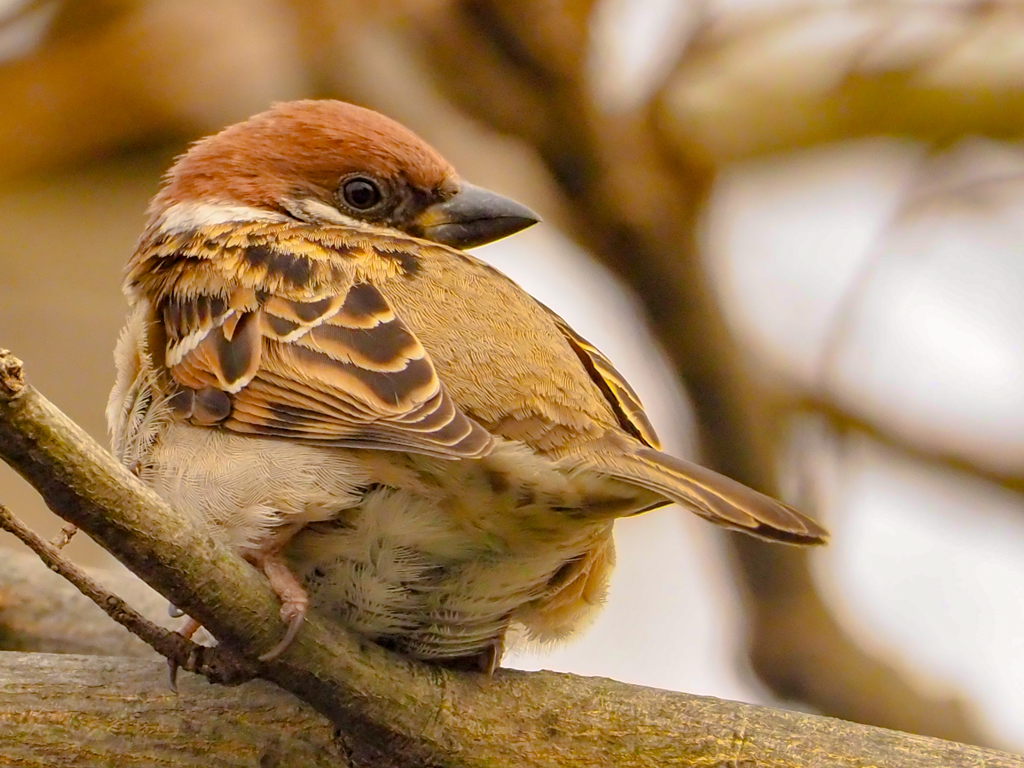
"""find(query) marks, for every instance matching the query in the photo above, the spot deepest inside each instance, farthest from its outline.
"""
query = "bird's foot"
(216, 663)
(294, 599)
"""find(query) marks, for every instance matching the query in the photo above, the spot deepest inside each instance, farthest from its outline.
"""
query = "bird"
(394, 432)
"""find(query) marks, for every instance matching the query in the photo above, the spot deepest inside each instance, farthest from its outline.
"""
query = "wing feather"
(616, 390)
(336, 366)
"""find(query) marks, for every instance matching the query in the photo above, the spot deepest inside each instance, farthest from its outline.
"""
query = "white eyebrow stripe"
(186, 216)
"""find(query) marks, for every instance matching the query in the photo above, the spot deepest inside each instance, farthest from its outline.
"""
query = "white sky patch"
(933, 347)
(20, 36)
(925, 568)
(887, 281)
(633, 45)
(787, 237)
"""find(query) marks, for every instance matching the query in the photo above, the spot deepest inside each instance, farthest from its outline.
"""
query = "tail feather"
(716, 497)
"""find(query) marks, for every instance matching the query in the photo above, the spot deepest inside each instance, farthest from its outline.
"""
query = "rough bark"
(86, 711)
(90, 711)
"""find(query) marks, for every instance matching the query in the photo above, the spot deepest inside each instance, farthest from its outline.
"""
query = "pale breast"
(244, 487)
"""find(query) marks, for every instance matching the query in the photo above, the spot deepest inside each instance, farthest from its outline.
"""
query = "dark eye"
(361, 193)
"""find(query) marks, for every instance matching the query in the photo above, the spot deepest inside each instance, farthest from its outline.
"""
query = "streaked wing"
(616, 390)
(338, 367)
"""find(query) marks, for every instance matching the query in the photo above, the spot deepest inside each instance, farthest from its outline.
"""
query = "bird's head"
(328, 162)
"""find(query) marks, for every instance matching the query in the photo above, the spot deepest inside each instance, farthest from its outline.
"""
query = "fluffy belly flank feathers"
(435, 563)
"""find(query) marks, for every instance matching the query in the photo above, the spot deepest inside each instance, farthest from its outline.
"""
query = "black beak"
(473, 216)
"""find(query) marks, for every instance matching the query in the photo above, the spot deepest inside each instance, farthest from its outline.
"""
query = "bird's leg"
(66, 534)
(294, 600)
(189, 628)
(293, 596)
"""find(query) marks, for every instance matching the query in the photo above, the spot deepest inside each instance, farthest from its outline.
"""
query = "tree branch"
(40, 612)
(93, 711)
(180, 652)
(118, 711)
(391, 711)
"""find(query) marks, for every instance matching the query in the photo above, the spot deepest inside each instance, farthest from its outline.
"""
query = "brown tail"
(715, 497)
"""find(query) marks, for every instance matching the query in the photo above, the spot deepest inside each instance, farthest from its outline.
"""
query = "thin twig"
(214, 663)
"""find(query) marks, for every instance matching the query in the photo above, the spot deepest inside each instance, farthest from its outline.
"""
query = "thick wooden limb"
(107, 711)
(99, 711)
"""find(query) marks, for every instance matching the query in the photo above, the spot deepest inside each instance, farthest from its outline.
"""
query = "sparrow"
(391, 430)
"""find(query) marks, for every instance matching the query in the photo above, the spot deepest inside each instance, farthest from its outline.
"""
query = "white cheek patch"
(316, 212)
(189, 216)
(184, 217)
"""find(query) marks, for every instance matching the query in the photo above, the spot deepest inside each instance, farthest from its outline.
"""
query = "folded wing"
(338, 368)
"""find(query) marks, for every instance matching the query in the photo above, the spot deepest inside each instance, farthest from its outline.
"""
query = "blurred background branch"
(702, 153)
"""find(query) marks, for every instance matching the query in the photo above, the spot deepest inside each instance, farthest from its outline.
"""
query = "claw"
(172, 675)
(294, 625)
(294, 600)
(186, 630)
(66, 534)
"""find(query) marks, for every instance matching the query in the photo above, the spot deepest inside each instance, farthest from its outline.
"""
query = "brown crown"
(300, 148)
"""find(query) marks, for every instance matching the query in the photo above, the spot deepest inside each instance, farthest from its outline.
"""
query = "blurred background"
(797, 228)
